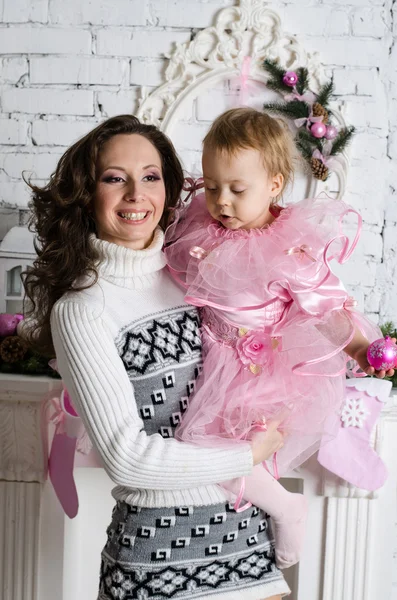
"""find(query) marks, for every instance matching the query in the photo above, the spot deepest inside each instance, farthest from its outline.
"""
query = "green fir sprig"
(325, 94)
(342, 140)
(294, 109)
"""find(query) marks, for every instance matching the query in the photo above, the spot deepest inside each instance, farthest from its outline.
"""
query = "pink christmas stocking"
(61, 460)
(349, 455)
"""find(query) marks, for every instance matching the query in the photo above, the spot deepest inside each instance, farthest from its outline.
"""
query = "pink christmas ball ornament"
(318, 130)
(382, 354)
(290, 78)
(8, 324)
(331, 132)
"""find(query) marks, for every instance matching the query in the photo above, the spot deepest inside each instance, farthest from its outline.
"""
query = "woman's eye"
(151, 178)
(113, 179)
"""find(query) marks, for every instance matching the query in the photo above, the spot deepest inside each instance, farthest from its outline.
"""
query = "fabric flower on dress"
(255, 348)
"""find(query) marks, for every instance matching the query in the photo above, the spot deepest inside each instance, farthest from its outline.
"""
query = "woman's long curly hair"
(62, 221)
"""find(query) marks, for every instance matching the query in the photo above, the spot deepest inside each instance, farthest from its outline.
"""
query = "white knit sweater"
(101, 342)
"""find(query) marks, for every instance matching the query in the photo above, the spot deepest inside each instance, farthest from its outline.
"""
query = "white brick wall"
(64, 66)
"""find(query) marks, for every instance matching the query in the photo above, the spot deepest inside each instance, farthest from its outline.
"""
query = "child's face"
(238, 189)
(130, 191)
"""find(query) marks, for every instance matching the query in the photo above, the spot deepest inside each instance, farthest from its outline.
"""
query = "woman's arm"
(104, 398)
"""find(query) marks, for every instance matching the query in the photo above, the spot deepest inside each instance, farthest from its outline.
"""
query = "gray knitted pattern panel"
(162, 356)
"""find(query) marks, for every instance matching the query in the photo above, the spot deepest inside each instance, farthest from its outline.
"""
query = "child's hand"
(361, 358)
(265, 443)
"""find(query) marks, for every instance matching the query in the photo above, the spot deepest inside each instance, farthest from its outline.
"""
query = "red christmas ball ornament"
(318, 130)
(382, 354)
(290, 78)
(331, 132)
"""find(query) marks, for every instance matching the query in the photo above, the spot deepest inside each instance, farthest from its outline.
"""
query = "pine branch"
(303, 80)
(273, 69)
(304, 135)
(304, 149)
(276, 82)
(342, 140)
(278, 86)
(389, 329)
(325, 93)
(295, 109)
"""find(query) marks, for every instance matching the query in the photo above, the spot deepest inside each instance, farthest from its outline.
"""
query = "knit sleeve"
(104, 398)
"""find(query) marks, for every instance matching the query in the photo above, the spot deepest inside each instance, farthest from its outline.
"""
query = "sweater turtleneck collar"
(130, 268)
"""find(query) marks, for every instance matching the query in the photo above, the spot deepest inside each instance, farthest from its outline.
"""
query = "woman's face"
(130, 191)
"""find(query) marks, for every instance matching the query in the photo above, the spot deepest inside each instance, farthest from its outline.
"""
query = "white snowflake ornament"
(354, 413)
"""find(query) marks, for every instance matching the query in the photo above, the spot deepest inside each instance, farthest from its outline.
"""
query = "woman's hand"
(265, 443)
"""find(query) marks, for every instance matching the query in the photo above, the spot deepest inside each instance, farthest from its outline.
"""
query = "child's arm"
(357, 349)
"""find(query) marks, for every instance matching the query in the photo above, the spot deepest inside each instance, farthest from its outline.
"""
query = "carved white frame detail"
(216, 54)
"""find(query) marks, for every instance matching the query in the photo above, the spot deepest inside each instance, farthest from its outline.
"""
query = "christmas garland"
(318, 139)
(15, 354)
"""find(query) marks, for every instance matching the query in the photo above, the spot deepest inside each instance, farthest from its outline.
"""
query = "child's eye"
(208, 189)
(238, 191)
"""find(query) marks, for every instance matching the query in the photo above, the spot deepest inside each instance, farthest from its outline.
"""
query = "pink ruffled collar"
(218, 230)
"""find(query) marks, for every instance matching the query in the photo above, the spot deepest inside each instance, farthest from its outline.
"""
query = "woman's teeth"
(133, 216)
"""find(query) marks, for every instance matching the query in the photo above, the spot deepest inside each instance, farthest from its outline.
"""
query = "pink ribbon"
(329, 161)
(58, 416)
(192, 185)
(301, 251)
(243, 80)
(307, 97)
(350, 303)
(308, 121)
(198, 252)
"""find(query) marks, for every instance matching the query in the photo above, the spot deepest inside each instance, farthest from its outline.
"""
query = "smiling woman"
(129, 350)
(130, 191)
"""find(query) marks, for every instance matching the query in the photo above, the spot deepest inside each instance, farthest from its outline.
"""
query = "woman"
(128, 350)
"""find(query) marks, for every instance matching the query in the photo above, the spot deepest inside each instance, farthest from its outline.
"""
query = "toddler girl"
(276, 321)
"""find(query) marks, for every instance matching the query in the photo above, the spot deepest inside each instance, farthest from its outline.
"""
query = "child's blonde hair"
(239, 128)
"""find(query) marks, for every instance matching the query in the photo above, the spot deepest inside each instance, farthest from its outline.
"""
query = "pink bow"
(308, 121)
(301, 251)
(58, 416)
(308, 97)
(329, 161)
(350, 303)
(192, 185)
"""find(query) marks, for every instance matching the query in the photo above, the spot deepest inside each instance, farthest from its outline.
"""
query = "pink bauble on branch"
(382, 354)
(290, 78)
(318, 130)
(331, 132)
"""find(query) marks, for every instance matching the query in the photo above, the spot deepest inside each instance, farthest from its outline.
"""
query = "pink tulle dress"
(275, 320)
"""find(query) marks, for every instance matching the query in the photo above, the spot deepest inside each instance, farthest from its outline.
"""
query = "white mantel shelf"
(349, 542)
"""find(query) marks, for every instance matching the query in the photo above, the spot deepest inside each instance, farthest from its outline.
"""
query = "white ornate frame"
(217, 53)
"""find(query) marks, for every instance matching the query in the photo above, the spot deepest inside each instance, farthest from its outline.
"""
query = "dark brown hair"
(62, 220)
(245, 127)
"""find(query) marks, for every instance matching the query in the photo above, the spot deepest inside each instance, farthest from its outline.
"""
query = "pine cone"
(319, 170)
(320, 111)
(12, 349)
